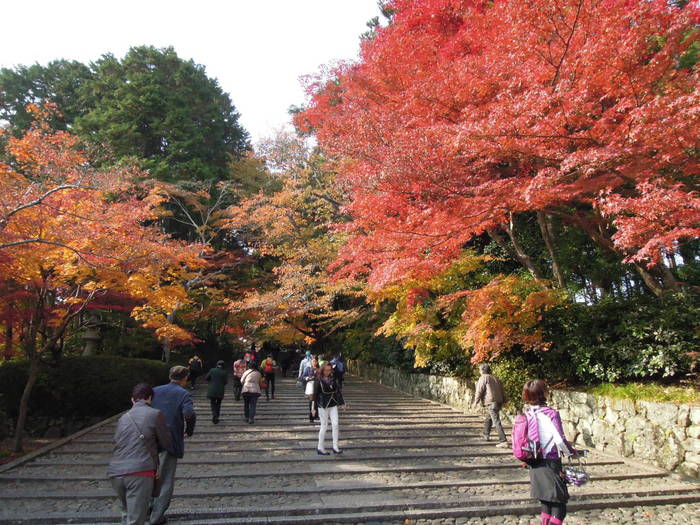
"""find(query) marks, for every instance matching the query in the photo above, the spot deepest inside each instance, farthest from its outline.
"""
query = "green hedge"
(96, 386)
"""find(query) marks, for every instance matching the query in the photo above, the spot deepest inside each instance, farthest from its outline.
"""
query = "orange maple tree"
(70, 234)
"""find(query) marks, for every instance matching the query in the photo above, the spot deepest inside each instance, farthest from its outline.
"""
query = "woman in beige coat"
(251, 390)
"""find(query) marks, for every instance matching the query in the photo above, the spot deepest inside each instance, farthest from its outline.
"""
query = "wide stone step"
(333, 487)
(323, 466)
(392, 509)
(405, 459)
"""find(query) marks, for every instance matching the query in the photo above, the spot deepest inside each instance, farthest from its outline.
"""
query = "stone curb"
(56, 444)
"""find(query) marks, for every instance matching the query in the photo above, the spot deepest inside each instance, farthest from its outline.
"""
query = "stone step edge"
(311, 430)
(402, 516)
(56, 444)
(220, 429)
(310, 457)
(408, 509)
(314, 489)
(191, 449)
(334, 472)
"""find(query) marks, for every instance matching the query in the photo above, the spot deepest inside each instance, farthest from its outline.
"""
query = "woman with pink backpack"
(539, 441)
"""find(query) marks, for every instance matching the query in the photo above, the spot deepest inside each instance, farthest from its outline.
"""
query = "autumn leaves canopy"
(463, 113)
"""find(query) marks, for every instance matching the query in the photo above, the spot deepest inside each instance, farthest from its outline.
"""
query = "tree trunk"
(9, 339)
(24, 401)
(515, 250)
(545, 222)
(600, 236)
(167, 343)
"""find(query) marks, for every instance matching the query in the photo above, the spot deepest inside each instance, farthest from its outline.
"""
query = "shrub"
(96, 386)
(616, 340)
(514, 371)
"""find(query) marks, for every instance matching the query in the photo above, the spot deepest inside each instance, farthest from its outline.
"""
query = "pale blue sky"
(256, 49)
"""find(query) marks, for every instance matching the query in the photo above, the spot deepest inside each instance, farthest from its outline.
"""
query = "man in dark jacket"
(490, 393)
(176, 404)
(217, 378)
(140, 433)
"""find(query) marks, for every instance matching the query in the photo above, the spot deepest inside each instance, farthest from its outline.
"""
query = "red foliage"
(462, 111)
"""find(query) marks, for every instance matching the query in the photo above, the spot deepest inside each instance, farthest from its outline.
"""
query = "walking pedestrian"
(546, 475)
(196, 369)
(304, 363)
(328, 398)
(308, 376)
(269, 368)
(251, 391)
(285, 360)
(140, 433)
(490, 393)
(239, 367)
(176, 404)
(217, 378)
(338, 363)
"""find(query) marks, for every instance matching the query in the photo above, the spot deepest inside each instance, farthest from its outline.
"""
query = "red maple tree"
(462, 113)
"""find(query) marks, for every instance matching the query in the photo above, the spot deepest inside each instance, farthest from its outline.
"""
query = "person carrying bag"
(133, 468)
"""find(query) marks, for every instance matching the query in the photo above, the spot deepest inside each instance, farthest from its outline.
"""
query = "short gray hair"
(178, 373)
(485, 369)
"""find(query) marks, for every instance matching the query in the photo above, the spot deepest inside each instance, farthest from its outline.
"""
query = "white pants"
(324, 414)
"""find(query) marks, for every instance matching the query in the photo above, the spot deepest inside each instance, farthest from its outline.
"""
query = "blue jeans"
(250, 402)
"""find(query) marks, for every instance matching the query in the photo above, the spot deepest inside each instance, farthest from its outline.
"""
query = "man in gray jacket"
(489, 393)
(141, 432)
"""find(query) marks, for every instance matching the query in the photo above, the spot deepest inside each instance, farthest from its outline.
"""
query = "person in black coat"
(217, 379)
(327, 397)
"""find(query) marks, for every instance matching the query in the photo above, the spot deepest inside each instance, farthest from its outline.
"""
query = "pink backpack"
(526, 437)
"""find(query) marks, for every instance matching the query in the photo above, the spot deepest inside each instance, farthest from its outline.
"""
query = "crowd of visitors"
(149, 438)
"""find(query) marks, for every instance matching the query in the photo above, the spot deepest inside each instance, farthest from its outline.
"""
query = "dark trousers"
(194, 374)
(493, 418)
(339, 377)
(250, 403)
(270, 378)
(237, 386)
(557, 510)
(215, 408)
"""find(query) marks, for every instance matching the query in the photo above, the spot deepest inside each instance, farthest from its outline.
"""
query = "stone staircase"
(406, 461)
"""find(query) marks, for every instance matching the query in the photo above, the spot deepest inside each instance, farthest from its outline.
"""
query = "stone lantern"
(92, 338)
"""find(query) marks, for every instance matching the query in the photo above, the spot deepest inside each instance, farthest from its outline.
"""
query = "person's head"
(308, 354)
(179, 375)
(484, 369)
(535, 392)
(142, 392)
(314, 362)
(220, 363)
(326, 369)
(252, 365)
(247, 358)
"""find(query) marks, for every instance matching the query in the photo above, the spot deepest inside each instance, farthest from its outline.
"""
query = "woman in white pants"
(328, 399)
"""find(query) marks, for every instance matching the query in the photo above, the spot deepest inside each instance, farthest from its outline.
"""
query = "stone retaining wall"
(665, 434)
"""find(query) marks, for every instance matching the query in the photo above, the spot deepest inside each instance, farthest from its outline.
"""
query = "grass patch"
(648, 392)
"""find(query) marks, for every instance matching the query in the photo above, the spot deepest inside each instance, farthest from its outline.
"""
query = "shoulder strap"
(141, 436)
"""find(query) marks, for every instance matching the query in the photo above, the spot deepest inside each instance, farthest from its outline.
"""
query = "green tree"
(150, 108)
(163, 110)
(58, 82)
